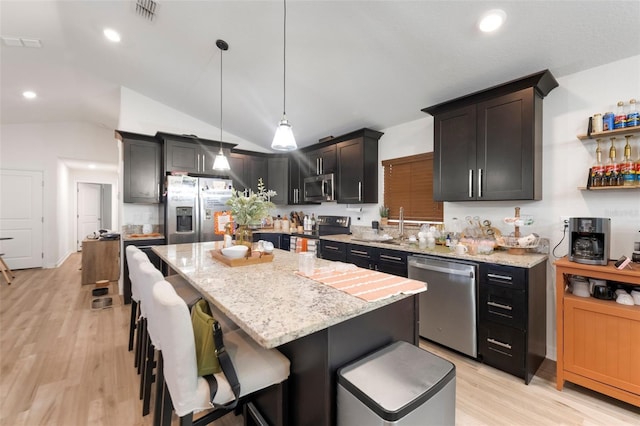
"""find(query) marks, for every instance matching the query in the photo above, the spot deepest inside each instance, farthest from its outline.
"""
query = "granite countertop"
(269, 301)
(527, 260)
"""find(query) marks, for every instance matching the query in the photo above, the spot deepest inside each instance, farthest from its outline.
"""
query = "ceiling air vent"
(146, 9)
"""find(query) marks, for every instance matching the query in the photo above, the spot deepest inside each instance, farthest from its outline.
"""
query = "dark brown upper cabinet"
(488, 145)
(190, 154)
(321, 161)
(142, 158)
(357, 172)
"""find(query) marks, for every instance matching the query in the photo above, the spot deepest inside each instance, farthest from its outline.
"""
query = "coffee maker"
(589, 240)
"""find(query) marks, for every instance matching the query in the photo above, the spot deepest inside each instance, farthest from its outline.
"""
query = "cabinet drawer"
(505, 276)
(503, 305)
(392, 262)
(503, 347)
(360, 256)
(332, 250)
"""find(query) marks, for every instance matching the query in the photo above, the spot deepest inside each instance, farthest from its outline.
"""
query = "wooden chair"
(180, 388)
(6, 271)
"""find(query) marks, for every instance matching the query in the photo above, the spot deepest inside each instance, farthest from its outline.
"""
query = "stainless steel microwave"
(319, 188)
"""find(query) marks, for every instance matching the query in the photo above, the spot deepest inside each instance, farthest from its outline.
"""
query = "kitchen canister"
(596, 123)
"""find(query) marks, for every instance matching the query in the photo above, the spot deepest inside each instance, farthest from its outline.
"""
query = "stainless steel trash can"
(399, 384)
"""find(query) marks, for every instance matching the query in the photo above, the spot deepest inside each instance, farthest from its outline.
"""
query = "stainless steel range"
(325, 225)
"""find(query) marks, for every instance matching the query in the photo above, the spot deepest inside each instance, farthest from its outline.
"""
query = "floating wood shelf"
(617, 132)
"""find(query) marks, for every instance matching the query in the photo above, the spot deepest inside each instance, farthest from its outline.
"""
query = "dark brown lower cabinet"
(512, 328)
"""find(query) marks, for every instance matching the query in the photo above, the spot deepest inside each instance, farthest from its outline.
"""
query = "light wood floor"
(62, 363)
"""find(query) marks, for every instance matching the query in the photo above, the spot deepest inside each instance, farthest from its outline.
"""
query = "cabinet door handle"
(384, 256)
(198, 162)
(321, 165)
(500, 277)
(498, 305)
(479, 183)
(470, 183)
(495, 342)
(331, 248)
(363, 253)
(359, 191)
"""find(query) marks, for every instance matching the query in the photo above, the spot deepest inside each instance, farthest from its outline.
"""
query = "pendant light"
(221, 162)
(283, 139)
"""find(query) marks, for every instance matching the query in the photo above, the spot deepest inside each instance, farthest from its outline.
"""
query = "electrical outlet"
(565, 221)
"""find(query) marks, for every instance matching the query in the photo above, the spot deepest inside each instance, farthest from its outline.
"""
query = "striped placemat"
(367, 284)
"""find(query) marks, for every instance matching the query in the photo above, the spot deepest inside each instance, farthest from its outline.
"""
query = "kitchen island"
(317, 327)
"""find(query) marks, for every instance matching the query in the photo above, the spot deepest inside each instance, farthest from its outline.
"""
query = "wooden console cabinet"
(100, 260)
(598, 341)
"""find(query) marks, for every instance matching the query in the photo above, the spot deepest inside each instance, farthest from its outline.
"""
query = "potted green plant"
(248, 211)
(384, 215)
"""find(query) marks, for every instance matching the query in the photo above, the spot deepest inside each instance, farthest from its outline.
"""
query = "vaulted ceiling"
(350, 64)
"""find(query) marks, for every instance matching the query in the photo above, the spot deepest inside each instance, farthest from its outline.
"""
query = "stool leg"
(157, 411)
(140, 343)
(149, 378)
(132, 323)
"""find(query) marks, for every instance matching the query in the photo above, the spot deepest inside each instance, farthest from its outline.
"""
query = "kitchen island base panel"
(316, 358)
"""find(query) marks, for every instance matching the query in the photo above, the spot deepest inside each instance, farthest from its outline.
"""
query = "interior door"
(89, 209)
(21, 218)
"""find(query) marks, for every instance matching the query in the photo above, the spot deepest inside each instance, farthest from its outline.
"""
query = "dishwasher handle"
(444, 270)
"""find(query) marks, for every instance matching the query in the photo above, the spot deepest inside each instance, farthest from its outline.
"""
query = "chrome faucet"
(401, 223)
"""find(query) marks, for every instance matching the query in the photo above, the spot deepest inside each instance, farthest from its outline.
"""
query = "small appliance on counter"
(635, 256)
(589, 240)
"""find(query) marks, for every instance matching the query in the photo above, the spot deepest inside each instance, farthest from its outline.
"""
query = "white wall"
(40, 146)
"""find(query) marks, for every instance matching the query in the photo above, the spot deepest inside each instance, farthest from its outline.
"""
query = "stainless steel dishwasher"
(448, 313)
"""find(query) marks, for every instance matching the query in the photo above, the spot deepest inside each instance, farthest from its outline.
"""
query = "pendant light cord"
(221, 99)
(284, 61)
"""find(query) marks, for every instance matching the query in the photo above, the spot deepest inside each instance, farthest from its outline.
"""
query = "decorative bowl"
(235, 252)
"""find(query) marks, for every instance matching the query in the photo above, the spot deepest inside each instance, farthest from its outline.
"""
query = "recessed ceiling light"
(29, 94)
(92, 166)
(111, 35)
(492, 20)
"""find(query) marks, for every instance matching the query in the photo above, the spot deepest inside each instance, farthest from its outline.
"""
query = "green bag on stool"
(203, 323)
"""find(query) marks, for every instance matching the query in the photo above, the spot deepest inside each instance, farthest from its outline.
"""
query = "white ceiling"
(350, 64)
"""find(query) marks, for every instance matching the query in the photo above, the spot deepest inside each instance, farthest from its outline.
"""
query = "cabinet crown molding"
(542, 82)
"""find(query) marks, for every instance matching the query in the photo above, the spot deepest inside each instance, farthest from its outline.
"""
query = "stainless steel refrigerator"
(190, 208)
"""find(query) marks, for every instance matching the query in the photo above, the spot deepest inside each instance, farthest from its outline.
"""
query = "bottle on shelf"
(597, 170)
(637, 166)
(312, 222)
(633, 116)
(627, 166)
(620, 119)
(611, 169)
